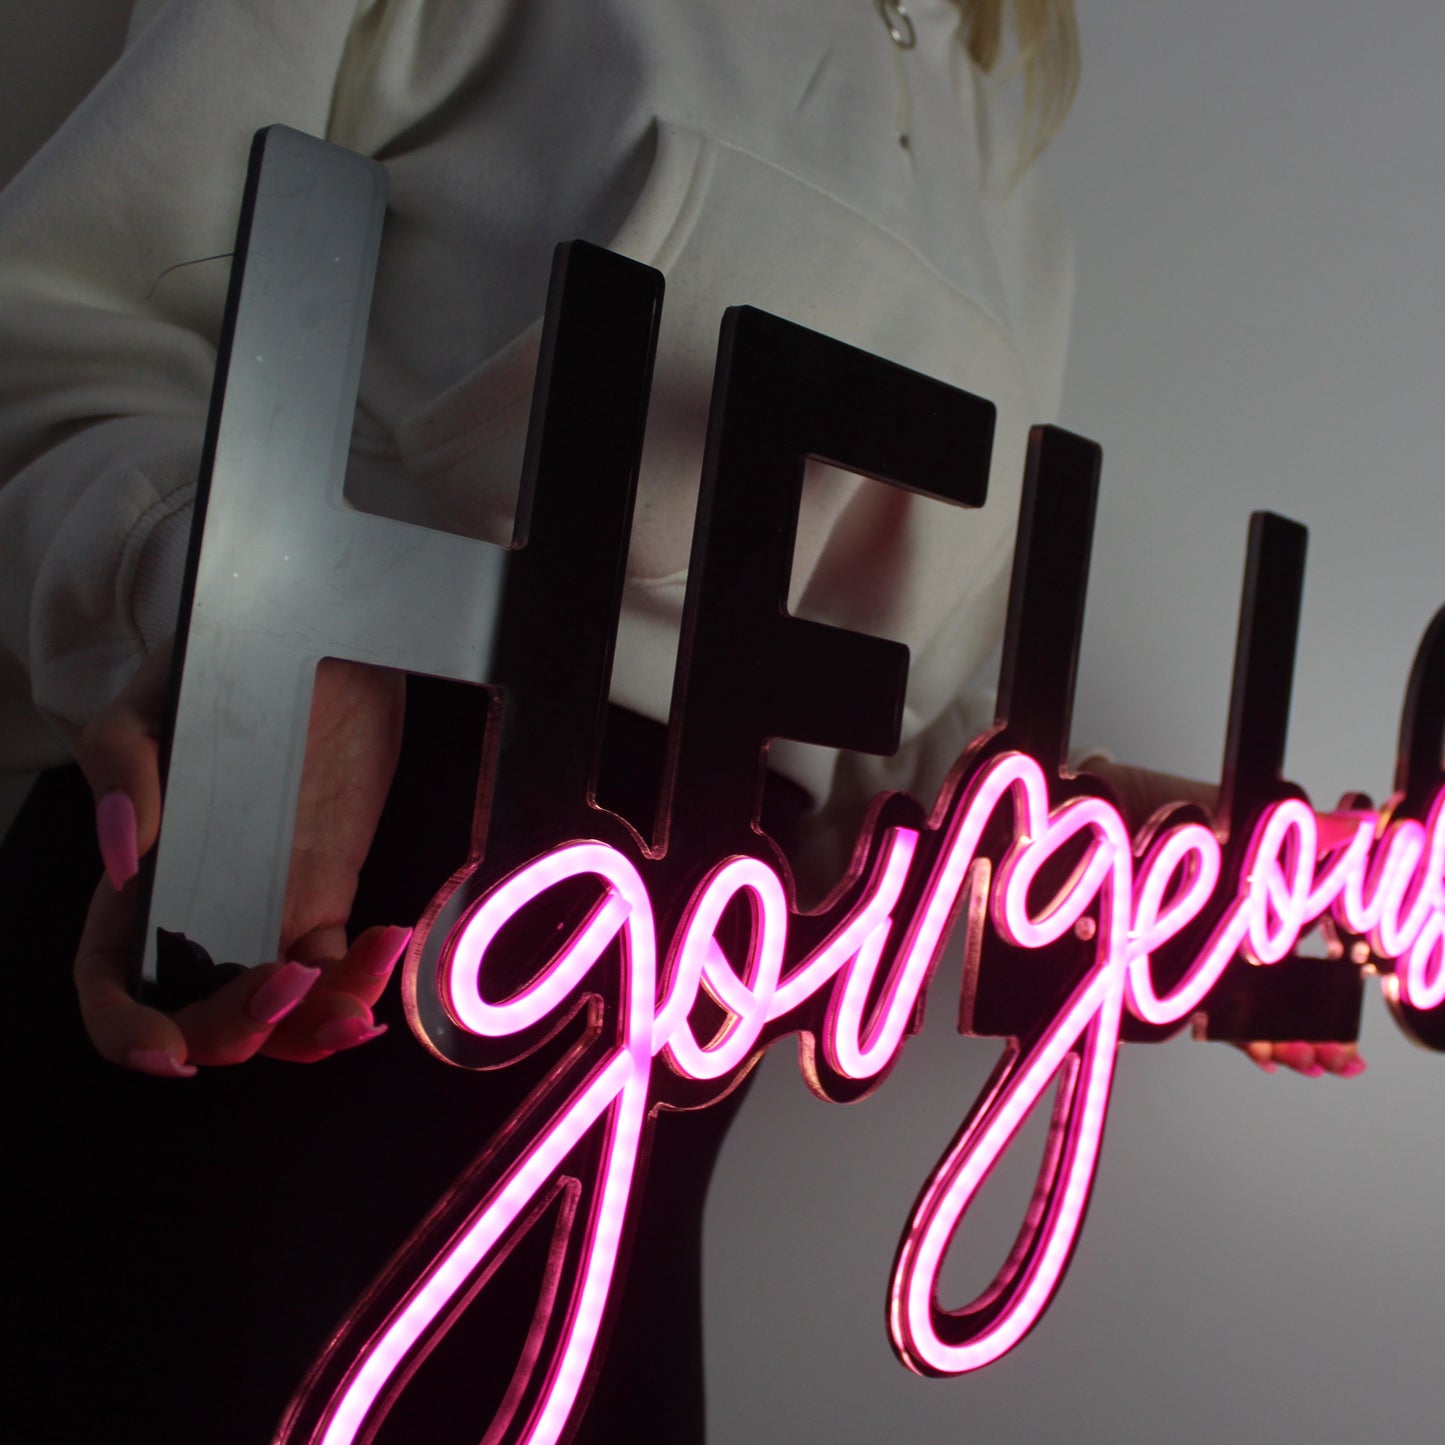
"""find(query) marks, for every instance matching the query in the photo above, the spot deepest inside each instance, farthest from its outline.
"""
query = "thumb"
(122, 1030)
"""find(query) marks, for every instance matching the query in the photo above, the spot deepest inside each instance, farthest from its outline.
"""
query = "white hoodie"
(750, 149)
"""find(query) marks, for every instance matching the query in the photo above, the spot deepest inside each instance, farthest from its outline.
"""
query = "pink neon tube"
(617, 1093)
(1389, 886)
(860, 1053)
(1195, 849)
(1422, 931)
(624, 903)
(929, 1338)
(922, 1330)
(701, 960)
(863, 933)
(1422, 979)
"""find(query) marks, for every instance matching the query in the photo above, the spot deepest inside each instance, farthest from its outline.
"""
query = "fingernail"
(347, 1033)
(115, 829)
(159, 1063)
(1314, 1071)
(1355, 1066)
(1268, 1065)
(390, 947)
(282, 992)
(1297, 1056)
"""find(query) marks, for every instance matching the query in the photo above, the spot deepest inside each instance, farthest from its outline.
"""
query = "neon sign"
(853, 999)
(685, 965)
(659, 968)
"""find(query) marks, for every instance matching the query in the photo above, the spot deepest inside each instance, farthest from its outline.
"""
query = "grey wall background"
(1258, 198)
(53, 53)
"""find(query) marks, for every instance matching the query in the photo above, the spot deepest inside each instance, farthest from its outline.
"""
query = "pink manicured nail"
(347, 1033)
(389, 947)
(282, 992)
(1268, 1065)
(1314, 1071)
(1355, 1066)
(159, 1063)
(115, 829)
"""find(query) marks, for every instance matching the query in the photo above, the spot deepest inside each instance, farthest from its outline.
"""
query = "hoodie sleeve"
(114, 263)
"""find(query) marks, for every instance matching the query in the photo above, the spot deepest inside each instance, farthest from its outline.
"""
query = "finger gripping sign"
(678, 958)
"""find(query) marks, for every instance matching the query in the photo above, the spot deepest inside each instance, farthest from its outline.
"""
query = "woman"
(838, 164)
(756, 152)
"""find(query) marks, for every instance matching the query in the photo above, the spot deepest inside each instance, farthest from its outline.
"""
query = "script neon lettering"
(930, 1339)
(701, 962)
(1299, 866)
(613, 1098)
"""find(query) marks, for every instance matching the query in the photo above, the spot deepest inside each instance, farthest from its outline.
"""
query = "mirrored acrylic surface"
(283, 572)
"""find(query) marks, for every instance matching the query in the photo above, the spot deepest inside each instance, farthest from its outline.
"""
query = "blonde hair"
(1047, 36)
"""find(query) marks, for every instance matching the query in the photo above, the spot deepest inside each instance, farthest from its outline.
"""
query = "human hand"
(317, 997)
(1140, 793)
(1311, 1060)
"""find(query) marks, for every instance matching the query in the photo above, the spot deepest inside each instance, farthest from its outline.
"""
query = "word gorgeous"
(869, 972)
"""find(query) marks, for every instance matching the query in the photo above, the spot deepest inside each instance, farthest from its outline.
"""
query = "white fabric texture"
(747, 148)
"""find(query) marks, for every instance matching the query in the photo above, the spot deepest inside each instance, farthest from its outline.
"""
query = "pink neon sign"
(848, 981)
(674, 963)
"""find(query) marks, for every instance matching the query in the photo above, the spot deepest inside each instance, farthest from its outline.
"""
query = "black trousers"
(187, 1246)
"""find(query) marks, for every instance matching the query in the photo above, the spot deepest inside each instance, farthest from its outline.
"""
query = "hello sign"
(685, 955)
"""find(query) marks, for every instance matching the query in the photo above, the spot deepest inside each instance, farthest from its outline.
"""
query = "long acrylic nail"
(1297, 1056)
(282, 992)
(389, 947)
(160, 1064)
(347, 1033)
(115, 830)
